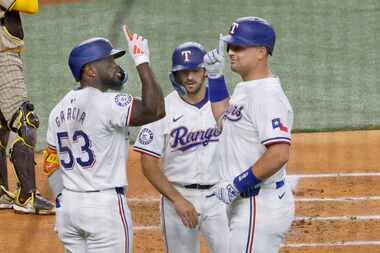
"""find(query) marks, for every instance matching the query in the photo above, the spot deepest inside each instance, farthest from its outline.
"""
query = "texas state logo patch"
(123, 99)
(278, 123)
(145, 136)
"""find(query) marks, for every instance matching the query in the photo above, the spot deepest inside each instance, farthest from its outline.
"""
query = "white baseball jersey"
(89, 130)
(186, 139)
(259, 115)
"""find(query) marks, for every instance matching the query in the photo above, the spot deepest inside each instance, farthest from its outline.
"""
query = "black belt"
(199, 186)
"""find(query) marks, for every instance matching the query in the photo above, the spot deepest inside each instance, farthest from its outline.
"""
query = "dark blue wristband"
(246, 180)
(217, 89)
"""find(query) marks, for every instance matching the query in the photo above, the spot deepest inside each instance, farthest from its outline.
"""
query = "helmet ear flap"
(177, 86)
(88, 51)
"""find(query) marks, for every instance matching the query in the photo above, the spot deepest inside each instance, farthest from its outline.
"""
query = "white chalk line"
(337, 218)
(349, 174)
(294, 245)
(331, 244)
(337, 199)
(293, 180)
(299, 218)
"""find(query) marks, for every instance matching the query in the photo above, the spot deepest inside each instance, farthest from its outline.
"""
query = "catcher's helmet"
(89, 51)
(188, 55)
(251, 31)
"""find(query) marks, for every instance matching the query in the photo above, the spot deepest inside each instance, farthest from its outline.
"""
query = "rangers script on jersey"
(188, 130)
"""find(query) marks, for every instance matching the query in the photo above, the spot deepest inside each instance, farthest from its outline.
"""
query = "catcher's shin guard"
(25, 124)
(4, 135)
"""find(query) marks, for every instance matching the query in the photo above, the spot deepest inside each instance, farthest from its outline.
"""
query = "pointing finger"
(127, 33)
(221, 44)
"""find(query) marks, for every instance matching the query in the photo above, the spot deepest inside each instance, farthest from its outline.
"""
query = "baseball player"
(256, 123)
(176, 157)
(17, 114)
(88, 145)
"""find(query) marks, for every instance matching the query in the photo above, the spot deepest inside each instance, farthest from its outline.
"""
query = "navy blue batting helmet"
(188, 55)
(251, 31)
(89, 51)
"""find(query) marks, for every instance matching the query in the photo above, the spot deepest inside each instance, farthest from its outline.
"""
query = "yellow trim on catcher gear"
(3, 126)
(2, 146)
(10, 194)
(5, 30)
(19, 138)
(32, 197)
(17, 121)
(28, 121)
(27, 6)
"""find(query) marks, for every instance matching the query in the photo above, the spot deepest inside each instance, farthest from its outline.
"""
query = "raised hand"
(137, 46)
(214, 60)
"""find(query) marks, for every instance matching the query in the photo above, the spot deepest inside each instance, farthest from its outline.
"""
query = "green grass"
(326, 54)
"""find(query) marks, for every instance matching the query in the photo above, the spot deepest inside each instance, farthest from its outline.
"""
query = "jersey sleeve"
(118, 109)
(273, 118)
(51, 136)
(151, 139)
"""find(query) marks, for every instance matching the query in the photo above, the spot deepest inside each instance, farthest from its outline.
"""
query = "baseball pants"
(94, 222)
(260, 223)
(212, 224)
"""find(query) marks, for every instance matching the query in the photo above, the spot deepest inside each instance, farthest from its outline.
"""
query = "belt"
(199, 186)
(256, 191)
(276, 185)
(119, 190)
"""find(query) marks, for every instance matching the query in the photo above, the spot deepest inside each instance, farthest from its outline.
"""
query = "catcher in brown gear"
(17, 114)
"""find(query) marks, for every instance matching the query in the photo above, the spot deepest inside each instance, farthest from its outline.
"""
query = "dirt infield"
(335, 212)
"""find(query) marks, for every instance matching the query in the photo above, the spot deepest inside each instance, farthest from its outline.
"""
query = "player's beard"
(195, 90)
(116, 81)
(198, 83)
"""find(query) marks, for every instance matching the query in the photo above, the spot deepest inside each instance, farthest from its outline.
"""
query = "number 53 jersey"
(89, 130)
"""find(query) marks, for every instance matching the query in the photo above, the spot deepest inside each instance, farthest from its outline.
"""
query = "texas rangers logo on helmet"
(146, 136)
(186, 55)
(277, 123)
(122, 99)
(234, 26)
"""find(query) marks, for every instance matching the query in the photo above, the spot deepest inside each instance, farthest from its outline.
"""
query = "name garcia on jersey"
(71, 113)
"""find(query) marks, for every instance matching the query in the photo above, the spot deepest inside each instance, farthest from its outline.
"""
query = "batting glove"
(214, 60)
(137, 46)
(226, 192)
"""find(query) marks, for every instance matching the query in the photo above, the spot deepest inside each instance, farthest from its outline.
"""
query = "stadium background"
(326, 53)
(327, 56)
